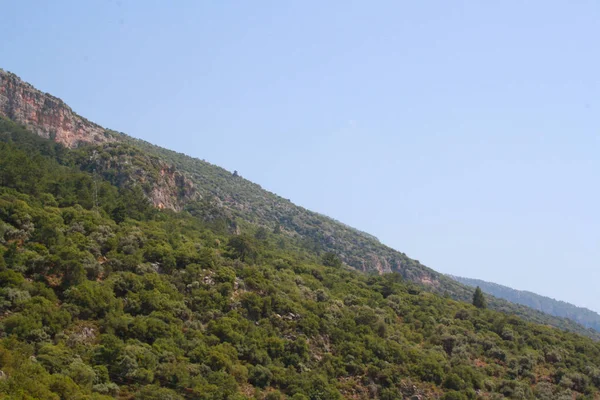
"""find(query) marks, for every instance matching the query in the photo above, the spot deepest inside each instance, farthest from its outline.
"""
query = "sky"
(463, 133)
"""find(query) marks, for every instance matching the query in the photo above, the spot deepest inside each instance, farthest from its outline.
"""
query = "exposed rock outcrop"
(46, 115)
(51, 118)
(173, 191)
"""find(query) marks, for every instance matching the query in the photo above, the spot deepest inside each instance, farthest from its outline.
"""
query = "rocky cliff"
(46, 115)
(51, 118)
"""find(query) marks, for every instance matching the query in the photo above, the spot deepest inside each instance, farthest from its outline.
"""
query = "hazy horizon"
(464, 135)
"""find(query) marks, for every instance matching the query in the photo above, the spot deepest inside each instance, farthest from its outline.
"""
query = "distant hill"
(581, 315)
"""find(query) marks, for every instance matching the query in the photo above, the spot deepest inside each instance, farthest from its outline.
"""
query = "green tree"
(261, 233)
(479, 298)
(330, 259)
(243, 247)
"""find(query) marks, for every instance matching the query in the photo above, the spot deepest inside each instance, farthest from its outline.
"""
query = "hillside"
(178, 182)
(581, 315)
(105, 296)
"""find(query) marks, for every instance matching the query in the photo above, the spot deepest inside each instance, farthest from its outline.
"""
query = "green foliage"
(243, 247)
(329, 259)
(454, 395)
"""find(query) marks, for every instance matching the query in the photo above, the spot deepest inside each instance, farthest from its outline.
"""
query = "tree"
(243, 247)
(261, 233)
(330, 259)
(479, 299)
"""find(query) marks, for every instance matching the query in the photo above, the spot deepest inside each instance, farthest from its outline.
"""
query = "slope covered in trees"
(105, 296)
(240, 200)
(226, 201)
(581, 315)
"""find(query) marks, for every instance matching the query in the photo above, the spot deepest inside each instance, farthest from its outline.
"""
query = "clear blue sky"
(466, 134)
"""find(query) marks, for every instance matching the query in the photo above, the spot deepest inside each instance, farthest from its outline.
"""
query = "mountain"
(103, 295)
(581, 315)
(129, 271)
(174, 181)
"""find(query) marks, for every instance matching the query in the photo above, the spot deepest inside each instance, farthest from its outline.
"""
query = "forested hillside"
(581, 315)
(173, 181)
(241, 200)
(104, 296)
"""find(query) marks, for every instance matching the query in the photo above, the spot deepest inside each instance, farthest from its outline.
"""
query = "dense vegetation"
(103, 295)
(226, 201)
(240, 200)
(583, 316)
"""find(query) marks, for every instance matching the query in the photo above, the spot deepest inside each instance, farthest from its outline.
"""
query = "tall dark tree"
(479, 298)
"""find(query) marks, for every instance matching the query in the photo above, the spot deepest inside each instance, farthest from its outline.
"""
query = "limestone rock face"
(51, 118)
(47, 115)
